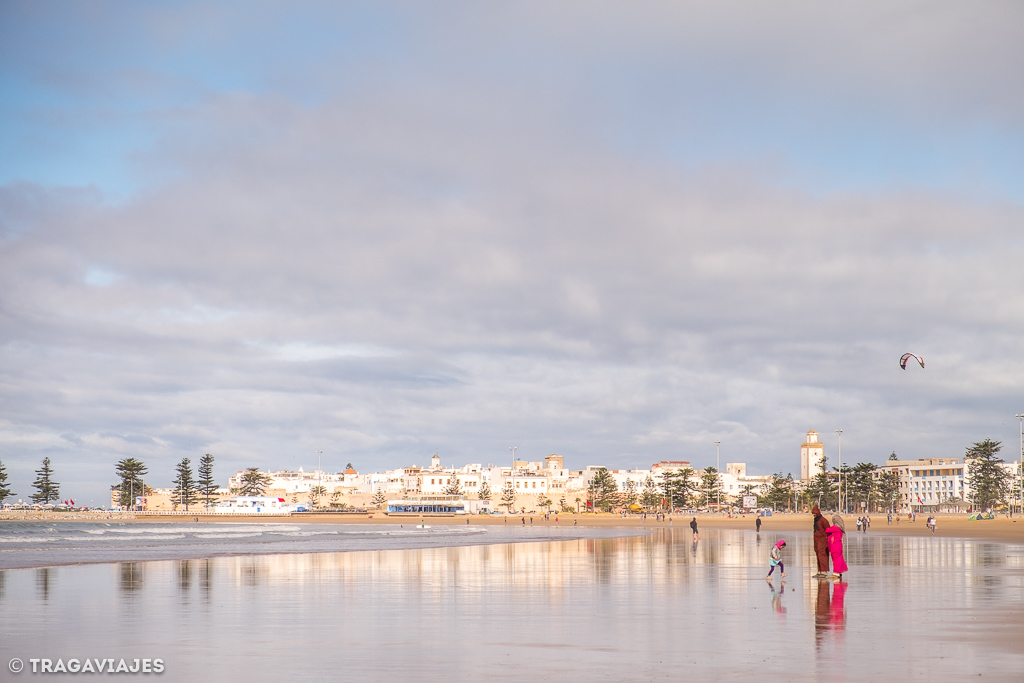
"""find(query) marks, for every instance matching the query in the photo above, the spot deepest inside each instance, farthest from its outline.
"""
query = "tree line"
(189, 489)
(47, 490)
(991, 485)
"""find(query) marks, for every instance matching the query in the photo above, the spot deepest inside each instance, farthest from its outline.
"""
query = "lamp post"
(1020, 463)
(718, 473)
(513, 449)
(839, 500)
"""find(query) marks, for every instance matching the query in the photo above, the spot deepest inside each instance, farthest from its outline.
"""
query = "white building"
(735, 481)
(812, 452)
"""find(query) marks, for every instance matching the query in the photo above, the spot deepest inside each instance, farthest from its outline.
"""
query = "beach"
(1001, 529)
(650, 606)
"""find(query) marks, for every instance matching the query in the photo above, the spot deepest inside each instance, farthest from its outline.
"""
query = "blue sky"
(619, 233)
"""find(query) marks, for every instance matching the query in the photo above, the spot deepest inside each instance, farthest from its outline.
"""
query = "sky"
(615, 231)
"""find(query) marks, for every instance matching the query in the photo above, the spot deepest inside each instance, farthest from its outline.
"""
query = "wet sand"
(649, 607)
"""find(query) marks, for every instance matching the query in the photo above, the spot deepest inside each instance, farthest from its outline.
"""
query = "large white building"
(812, 452)
(934, 482)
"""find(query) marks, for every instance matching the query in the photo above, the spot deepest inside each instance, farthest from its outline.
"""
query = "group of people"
(828, 543)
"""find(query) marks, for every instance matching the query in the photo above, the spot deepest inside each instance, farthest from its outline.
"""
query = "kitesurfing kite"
(907, 356)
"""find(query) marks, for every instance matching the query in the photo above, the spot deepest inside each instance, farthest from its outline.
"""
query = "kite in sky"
(907, 356)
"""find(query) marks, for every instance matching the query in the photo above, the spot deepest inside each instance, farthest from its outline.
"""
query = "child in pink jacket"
(775, 560)
(835, 535)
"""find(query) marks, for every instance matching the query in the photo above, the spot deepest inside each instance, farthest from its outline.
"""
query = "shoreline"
(1001, 529)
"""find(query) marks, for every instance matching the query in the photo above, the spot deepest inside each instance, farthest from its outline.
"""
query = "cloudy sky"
(615, 231)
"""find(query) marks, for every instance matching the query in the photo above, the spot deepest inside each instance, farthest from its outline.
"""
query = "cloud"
(465, 254)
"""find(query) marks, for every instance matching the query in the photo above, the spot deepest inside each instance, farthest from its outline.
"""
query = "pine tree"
(454, 487)
(131, 472)
(379, 499)
(710, 487)
(990, 483)
(185, 490)
(5, 492)
(206, 484)
(485, 491)
(777, 495)
(315, 494)
(858, 485)
(677, 487)
(46, 488)
(603, 489)
(650, 498)
(508, 495)
(254, 482)
(888, 489)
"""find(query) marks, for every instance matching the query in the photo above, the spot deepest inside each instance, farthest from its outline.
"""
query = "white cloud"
(462, 255)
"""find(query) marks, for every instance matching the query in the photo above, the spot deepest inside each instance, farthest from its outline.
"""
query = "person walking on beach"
(835, 546)
(775, 560)
(757, 524)
(820, 542)
(693, 527)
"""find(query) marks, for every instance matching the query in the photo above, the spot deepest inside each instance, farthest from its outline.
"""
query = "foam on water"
(37, 544)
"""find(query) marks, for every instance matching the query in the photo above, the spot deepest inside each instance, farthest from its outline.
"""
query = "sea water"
(38, 544)
(655, 606)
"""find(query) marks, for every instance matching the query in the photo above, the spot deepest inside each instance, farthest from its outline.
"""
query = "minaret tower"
(812, 452)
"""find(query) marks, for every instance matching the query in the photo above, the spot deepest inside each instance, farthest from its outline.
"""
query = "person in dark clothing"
(693, 527)
(820, 542)
(758, 525)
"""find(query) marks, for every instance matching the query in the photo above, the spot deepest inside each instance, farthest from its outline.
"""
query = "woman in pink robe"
(835, 545)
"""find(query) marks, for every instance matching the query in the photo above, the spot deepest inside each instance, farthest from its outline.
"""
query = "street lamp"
(1020, 463)
(839, 500)
(718, 473)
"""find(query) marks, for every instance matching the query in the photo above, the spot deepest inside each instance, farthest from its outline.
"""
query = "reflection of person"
(693, 527)
(777, 598)
(837, 610)
(829, 609)
(820, 542)
(775, 560)
(835, 545)
(822, 604)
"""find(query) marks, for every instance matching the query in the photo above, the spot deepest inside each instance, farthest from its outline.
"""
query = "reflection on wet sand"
(43, 578)
(829, 609)
(132, 575)
(777, 605)
(184, 575)
(634, 608)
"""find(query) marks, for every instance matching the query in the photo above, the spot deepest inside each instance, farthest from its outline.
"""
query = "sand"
(1001, 529)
